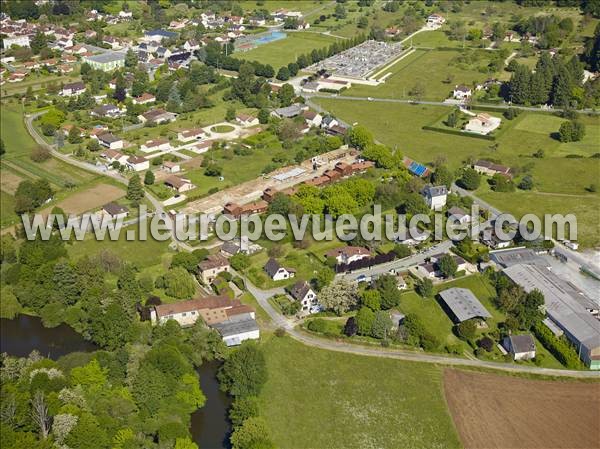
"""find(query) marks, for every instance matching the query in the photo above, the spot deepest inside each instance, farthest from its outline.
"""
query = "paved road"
(438, 103)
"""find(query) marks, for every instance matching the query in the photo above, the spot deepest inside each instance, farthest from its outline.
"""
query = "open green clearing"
(437, 321)
(141, 253)
(307, 263)
(438, 71)
(284, 51)
(273, 5)
(348, 401)
(400, 126)
(222, 129)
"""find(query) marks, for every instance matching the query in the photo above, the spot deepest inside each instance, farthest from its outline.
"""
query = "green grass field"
(437, 70)
(437, 321)
(284, 51)
(141, 253)
(347, 401)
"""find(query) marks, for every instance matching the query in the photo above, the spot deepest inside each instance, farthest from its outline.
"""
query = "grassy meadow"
(284, 51)
(348, 401)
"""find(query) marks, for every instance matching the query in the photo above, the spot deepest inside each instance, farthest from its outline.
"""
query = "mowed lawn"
(431, 69)
(284, 51)
(323, 399)
(437, 321)
(560, 182)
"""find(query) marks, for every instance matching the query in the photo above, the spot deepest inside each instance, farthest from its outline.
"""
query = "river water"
(210, 427)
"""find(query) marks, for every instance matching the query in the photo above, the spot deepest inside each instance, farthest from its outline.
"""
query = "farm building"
(462, 305)
(521, 347)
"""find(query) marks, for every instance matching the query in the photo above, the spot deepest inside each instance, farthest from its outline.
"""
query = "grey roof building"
(513, 256)
(272, 267)
(565, 306)
(434, 191)
(289, 111)
(463, 304)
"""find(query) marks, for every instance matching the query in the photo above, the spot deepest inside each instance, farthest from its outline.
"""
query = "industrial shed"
(462, 305)
(566, 307)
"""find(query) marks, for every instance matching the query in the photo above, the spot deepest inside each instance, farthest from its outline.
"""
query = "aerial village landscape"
(451, 113)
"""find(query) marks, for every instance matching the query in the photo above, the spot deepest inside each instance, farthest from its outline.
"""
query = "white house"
(137, 163)
(462, 92)
(313, 118)
(329, 122)
(521, 347)
(72, 89)
(114, 210)
(111, 141)
(435, 196)
(483, 124)
(246, 120)
(348, 254)
(145, 98)
(188, 135)
(106, 110)
(155, 145)
(236, 330)
(171, 167)
(191, 45)
(307, 298)
(157, 116)
(459, 214)
(435, 20)
(277, 272)
(114, 156)
(179, 184)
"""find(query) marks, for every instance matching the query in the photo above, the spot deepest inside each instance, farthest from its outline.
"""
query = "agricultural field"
(347, 401)
(89, 199)
(284, 51)
(561, 182)
(445, 69)
(17, 165)
(501, 411)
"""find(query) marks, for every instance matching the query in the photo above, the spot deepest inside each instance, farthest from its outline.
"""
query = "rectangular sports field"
(284, 51)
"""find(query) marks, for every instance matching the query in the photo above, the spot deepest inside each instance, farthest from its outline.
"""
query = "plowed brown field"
(493, 411)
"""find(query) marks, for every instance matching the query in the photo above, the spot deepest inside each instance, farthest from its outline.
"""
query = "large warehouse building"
(570, 310)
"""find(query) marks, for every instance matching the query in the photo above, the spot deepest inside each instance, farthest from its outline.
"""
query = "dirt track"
(492, 411)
